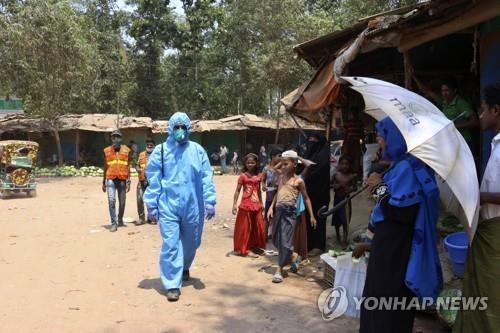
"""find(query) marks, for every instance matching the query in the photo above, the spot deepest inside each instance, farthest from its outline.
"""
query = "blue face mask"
(180, 134)
(116, 142)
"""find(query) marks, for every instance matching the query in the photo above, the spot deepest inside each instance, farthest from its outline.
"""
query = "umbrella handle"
(459, 116)
(323, 212)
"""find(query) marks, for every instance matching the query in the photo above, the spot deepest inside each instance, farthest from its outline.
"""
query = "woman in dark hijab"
(404, 262)
(318, 188)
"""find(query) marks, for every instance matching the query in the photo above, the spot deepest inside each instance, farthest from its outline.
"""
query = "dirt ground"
(61, 270)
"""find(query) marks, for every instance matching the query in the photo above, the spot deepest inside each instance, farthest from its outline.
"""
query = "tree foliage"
(47, 54)
(110, 85)
(218, 58)
(153, 29)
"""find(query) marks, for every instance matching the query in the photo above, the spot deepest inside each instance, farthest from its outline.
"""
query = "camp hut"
(438, 38)
(159, 131)
(283, 132)
(213, 133)
(87, 134)
(91, 135)
(210, 134)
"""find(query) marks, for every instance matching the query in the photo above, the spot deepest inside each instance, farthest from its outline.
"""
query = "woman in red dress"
(249, 235)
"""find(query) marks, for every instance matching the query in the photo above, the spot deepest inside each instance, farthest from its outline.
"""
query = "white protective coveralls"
(180, 196)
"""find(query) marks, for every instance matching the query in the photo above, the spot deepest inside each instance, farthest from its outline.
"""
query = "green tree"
(252, 48)
(108, 92)
(191, 75)
(47, 58)
(153, 29)
(348, 12)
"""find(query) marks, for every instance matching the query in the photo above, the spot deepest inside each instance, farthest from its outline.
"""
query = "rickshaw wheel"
(31, 193)
(3, 194)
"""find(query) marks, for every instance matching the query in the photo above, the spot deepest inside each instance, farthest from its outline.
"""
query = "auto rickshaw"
(17, 161)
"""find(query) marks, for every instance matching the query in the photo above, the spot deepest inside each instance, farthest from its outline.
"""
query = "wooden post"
(244, 148)
(277, 135)
(276, 138)
(301, 131)
(270, 102)
(77, 148)
(55, 130)
(329, 116)
(407, 65)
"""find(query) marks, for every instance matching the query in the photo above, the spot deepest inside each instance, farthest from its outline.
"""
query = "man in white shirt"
(223, 158)
(482, 269)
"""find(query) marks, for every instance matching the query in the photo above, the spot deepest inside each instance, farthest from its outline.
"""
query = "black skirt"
(385, 276)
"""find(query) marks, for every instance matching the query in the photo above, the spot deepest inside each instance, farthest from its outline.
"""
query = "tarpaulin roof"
(285, 122)
(404, 28)
(415, 25)
(251, 121)
(160, 126)
(199, 126)
(217, 125)
(86, 122)
(108, 123)
(312, 96)
(324, 48)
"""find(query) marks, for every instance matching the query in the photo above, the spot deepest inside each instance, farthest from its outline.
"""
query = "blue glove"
(153, 214)
(209, 211)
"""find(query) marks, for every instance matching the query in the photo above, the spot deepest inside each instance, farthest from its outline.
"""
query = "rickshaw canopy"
(19, 153)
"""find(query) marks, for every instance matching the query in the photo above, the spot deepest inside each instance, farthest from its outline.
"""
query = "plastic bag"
(351, 276)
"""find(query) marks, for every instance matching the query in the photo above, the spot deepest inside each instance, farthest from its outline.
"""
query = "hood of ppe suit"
(176, 119)
(180, 185)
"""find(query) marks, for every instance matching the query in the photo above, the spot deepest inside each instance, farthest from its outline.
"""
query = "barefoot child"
(249, 236)
(300, 234)
(270, 184)
(343, 184)
(285, 203)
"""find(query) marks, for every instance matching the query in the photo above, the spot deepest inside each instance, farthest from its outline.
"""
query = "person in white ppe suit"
(180, 195)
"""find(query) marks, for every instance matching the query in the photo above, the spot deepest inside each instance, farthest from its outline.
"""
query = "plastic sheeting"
(313, 96)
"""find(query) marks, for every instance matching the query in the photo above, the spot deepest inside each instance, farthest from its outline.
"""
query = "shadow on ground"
(271, 304)
(155, 284)
(312, 273)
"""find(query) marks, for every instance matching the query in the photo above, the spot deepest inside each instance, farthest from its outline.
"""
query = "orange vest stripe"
(143, 160)
(117, 162)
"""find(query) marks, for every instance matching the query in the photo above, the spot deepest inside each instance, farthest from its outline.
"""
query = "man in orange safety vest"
(143, 182)
(117, 158)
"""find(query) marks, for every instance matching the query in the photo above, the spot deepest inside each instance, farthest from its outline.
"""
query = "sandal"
(277, 278)
(305, 262)
(294, 268)
(257, 251)
(271, 253)
(252, 255)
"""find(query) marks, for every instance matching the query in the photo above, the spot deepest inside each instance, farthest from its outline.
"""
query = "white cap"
(290, 154)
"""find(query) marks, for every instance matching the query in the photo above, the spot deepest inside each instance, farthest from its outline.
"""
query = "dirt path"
(62, 271)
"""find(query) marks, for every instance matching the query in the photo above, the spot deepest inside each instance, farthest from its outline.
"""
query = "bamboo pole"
(298, 125)
(77, 148)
